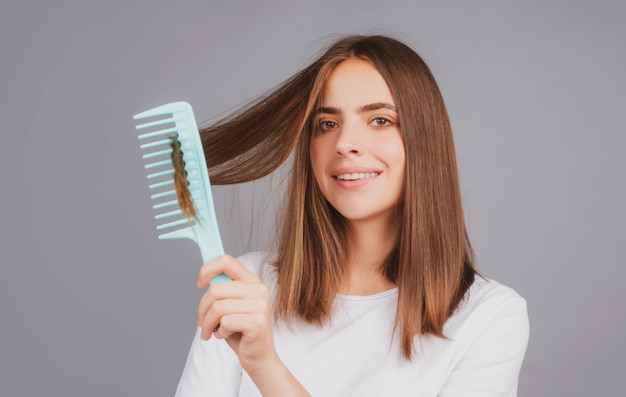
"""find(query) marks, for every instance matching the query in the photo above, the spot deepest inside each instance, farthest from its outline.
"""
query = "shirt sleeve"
(491, 364)
(212, 369)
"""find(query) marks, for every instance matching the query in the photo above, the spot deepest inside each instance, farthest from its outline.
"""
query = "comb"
(161, 128)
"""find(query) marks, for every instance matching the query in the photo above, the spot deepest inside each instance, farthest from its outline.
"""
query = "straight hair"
(432, 262)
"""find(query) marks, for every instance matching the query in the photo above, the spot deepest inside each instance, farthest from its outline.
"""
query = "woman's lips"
(356, 175)
(353, 178)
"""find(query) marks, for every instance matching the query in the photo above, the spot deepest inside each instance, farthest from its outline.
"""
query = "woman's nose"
(349, 141)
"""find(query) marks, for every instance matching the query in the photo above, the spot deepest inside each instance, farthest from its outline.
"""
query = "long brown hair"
(432, 260)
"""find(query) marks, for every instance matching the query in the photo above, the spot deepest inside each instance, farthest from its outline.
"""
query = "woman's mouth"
(356, 176)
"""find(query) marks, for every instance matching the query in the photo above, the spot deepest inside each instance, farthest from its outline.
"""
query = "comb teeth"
(158, 127)
(169, 121)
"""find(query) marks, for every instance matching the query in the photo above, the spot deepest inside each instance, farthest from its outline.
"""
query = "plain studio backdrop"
(92, 304)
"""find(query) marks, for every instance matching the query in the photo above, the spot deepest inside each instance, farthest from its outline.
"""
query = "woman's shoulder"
(490, 294)
(489, 303)
(487, 338)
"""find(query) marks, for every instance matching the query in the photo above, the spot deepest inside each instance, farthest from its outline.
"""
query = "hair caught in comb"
(181, 183)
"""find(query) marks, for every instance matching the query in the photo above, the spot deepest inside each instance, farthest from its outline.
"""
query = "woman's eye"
(381, 122)
(326, 125)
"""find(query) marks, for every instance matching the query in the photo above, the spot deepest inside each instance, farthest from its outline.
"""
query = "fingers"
(210, 322)
(248, 325)
(228, 316)
(235, 307)
(230, 290)
(228, 265)
(237, 311)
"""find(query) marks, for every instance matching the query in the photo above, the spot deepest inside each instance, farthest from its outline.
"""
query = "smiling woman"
(371, 290)
(357, 150)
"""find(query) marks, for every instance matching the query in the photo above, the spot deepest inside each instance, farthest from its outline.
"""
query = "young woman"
(372, 290)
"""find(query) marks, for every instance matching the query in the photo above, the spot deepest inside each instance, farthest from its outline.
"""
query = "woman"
(372, 290)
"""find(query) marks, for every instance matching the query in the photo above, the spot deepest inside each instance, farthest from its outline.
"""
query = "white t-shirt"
(358, 354)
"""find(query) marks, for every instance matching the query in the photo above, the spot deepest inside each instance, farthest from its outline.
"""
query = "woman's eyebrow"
(365, 108)
(376, 106)
(326, 110)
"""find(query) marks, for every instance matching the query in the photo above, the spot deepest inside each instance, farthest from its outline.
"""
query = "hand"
(238, 311)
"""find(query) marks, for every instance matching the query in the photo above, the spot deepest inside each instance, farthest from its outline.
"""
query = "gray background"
(92, 304)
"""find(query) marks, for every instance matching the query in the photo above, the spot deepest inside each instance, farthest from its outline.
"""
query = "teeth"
(356, 175)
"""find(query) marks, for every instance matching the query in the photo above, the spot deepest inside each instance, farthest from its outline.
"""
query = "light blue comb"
(167, 121)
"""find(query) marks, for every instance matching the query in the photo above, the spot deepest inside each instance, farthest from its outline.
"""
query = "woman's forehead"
(354, 84)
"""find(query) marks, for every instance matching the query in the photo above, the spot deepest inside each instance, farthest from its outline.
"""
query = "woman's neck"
(369, 244)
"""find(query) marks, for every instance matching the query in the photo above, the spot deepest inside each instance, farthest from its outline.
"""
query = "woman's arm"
(239, 312)
(212, 369)
(490, 367)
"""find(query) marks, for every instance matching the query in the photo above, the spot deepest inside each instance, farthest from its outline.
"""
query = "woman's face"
(357, 150)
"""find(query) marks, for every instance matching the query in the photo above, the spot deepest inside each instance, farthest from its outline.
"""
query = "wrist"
(273, 379)
(264, 368)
